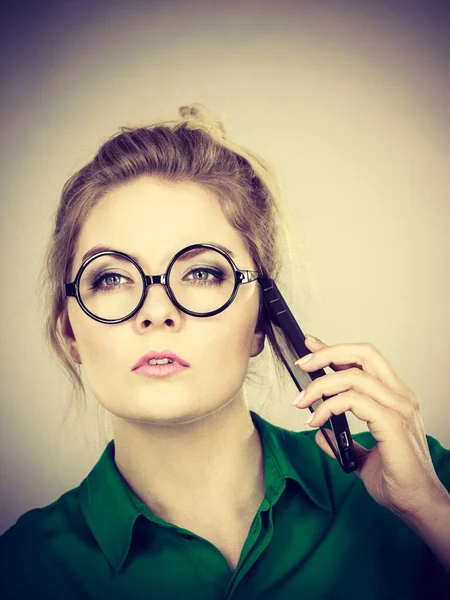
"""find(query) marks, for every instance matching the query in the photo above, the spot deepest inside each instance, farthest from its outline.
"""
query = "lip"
(160, 370)
(162, 354)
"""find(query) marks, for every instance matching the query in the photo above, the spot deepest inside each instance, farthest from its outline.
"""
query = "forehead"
(149, 218)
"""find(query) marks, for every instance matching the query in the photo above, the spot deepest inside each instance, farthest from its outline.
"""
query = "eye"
(218, 276)
(104, 277)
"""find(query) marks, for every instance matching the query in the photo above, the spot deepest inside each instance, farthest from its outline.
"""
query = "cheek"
(98, 346)
(222, 357)
(230, 335)
(226, 350)
(106, 363)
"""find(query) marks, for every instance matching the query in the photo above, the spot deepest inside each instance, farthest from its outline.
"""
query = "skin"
(185, 444)
(398, 472)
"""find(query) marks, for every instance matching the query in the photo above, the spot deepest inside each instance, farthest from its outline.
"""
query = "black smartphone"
(291, 341)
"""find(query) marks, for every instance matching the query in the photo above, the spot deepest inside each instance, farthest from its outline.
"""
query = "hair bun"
(201, 114)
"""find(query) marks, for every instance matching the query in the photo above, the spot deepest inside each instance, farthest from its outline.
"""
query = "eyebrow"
(97, 249)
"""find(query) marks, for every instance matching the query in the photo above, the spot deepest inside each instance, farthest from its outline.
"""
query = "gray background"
(347, 100)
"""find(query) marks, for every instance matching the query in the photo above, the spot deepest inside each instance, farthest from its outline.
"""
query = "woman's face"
(152, 221)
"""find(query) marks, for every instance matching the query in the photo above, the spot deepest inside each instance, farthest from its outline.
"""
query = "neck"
(209, 466)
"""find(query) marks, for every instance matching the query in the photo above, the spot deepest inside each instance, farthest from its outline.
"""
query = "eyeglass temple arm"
(70, 289)
(248, 276)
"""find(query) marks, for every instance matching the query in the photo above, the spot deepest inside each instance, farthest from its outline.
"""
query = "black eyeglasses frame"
(241, 276)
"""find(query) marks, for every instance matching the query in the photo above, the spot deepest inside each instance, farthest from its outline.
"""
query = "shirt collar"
(292, 455)
(111, 507)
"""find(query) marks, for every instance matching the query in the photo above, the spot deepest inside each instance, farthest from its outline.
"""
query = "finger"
(318, 344)
(369, 359)
(383, 423)
(336, 383)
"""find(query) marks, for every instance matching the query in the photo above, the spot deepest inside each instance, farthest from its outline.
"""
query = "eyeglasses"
(111, 287)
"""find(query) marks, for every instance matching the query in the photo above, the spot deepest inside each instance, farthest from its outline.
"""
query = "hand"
(398, 472)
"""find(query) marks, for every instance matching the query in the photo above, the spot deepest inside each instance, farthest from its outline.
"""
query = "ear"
(69, 336)
(259, 337)
(258, 343)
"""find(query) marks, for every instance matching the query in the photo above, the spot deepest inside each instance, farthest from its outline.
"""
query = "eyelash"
(95, 285)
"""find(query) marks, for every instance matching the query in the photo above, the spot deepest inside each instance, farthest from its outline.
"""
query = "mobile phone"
(291, 341)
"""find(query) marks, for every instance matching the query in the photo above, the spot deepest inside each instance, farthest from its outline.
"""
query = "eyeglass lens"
(201, 279)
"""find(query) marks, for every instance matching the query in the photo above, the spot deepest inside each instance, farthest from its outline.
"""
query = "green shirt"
(317, 534)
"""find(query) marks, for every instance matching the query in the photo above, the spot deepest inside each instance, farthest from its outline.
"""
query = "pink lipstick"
(149, 370)
(160, 370)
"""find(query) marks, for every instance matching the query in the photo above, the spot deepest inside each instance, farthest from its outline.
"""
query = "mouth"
(162, 370)
(157, 358)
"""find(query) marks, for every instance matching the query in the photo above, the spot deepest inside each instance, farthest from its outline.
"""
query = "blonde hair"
(195, 149)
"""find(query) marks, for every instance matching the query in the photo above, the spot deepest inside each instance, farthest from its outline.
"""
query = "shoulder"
(31, 548)
(47, 522)
(440, 457)
(308, 458)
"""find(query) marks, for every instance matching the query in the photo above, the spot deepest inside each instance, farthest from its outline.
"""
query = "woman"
(196, 496)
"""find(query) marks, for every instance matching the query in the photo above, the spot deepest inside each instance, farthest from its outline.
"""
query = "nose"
(153, 303)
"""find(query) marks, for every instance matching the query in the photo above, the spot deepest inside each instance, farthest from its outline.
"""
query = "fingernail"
(303, 360)
(297, 398)
(312, 338)
(309, 419)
